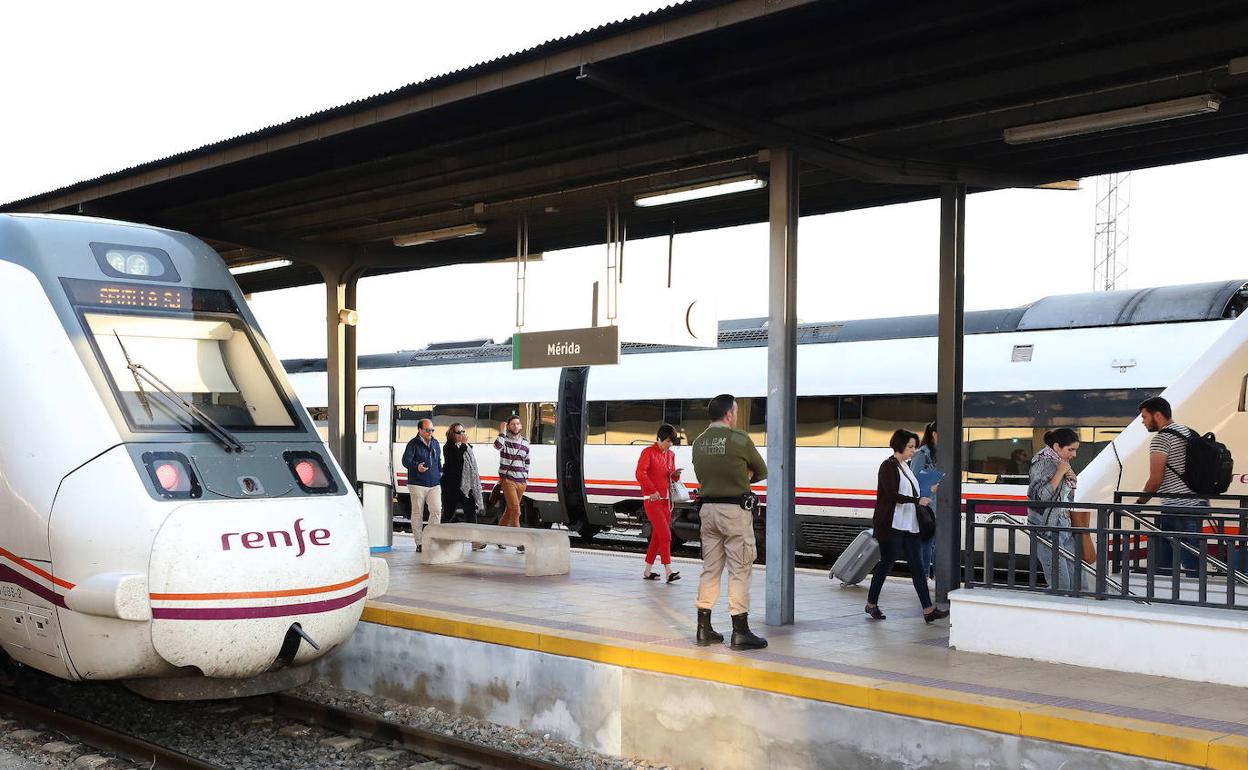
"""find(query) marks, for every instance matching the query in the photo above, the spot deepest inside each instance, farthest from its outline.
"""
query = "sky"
(107, 86)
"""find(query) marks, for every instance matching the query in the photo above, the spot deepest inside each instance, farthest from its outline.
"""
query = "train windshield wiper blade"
(214, 428)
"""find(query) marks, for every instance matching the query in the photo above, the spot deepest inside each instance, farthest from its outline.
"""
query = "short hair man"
(513, 469)
(726, 463)
(423, 460)
(1167, 462)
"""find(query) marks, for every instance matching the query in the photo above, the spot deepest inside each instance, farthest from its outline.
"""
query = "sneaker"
(520, 548)
(502, 547)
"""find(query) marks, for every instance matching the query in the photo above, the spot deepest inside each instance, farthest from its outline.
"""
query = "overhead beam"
(835, 157)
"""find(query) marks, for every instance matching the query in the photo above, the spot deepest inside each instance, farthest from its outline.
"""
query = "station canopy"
(882, 100)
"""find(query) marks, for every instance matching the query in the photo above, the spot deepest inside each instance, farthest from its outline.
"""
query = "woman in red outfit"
(656, 470)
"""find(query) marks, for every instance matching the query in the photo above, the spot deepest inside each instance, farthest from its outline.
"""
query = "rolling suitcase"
(856, 561)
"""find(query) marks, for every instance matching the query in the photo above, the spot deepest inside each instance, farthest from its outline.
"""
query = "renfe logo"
(259, 539)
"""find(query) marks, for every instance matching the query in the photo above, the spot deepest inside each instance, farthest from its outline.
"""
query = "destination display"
(594, 346)
(147, 296)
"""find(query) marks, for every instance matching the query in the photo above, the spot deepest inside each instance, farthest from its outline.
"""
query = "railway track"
(298, 732)
(103, 738)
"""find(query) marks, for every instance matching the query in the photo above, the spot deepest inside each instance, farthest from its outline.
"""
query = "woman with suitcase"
(896, 525)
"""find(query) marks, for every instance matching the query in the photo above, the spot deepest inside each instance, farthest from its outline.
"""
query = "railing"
(1143, 553)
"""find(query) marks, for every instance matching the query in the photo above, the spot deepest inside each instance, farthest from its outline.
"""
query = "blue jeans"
(1166, 546)
(1069, 573)
(898, 544)
(927, 551)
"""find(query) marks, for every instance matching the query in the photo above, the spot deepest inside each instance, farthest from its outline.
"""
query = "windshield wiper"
(137, 382)
(214, 428)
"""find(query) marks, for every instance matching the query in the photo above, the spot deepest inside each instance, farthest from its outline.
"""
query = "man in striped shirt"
(1167, 463)
(513, 469)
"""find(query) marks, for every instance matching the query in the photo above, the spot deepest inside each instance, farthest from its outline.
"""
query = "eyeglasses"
(426, 430)
(461, 433)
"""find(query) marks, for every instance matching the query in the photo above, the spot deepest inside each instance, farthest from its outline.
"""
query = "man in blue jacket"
(423, 460)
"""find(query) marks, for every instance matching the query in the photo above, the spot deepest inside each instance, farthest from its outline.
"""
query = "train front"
(217, 548)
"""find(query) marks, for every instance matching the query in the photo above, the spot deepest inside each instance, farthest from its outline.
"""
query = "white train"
(170, 515)
(1082, 361)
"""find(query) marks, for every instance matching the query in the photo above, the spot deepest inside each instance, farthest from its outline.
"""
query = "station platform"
(605, 660)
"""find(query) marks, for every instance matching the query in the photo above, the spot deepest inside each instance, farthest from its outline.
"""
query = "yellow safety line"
(1123, 735)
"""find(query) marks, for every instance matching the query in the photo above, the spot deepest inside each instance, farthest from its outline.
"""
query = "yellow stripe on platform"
(1122, 735)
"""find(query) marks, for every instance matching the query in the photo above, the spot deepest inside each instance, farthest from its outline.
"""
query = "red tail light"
(311, 472)
(171, 475)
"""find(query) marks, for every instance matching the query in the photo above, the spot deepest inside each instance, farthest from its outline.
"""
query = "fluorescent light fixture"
(694, 192)
(441, 234)
(256, 267)
(1104, 121)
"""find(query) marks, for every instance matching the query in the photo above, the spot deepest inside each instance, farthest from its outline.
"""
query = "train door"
(374, 462)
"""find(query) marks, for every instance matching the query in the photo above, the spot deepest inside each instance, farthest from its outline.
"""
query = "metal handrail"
(1239, 577)
(1086, 568)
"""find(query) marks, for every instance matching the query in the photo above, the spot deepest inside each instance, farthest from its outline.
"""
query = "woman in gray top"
(1053, 481)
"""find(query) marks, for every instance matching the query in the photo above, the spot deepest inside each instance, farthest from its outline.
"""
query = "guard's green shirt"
(726, 461)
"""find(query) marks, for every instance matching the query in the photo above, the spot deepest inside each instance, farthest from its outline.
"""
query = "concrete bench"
(546, 552)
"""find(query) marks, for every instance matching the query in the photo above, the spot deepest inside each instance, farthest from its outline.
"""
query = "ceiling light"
(256, 267)
(703, 190)
(441, 234)
(1104, 121)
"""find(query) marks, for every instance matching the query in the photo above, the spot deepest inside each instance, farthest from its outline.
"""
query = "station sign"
(566, 347)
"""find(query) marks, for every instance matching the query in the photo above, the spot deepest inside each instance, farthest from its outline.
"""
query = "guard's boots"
(706, 634)
(742, 637)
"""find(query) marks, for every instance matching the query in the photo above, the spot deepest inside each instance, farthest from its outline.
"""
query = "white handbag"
(679, 493)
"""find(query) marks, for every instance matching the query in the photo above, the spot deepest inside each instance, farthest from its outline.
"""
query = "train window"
(211, 363)
(633, 422)
(882, 415)
(408, 417)
(849, 429)
(1001, 455)
(446, 414)
(693, 419)
(596, 422)
(320, 418)
(816, 420)
(752, 418)
(546, 432)
(1053, 408)
(501, 413)
(485, 433)
(372, 414)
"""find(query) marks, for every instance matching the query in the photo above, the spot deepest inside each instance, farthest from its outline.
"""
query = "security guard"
(726, 463)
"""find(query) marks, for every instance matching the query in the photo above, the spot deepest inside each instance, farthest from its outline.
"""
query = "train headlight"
(116, 260)
(310, 472)
(172, 475)
(138, 264)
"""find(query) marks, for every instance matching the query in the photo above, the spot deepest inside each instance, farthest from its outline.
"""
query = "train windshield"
(211, 363)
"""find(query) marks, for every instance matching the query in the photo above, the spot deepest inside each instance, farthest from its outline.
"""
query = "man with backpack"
(1170, 453)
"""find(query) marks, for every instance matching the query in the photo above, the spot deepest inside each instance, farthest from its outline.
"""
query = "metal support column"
(949, 388)
(784, 187)
(340, 368)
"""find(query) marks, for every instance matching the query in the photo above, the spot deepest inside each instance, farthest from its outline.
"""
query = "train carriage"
(1082, 361)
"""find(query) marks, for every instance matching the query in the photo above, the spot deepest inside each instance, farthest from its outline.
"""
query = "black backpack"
(1208, 466)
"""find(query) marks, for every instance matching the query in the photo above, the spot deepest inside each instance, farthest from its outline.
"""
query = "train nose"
(230, 580)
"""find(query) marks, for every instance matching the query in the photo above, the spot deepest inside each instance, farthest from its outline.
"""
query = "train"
(1083, 361)
(172, 520)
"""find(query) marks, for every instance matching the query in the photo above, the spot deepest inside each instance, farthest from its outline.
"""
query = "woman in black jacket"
(896, 523)
(461, 481)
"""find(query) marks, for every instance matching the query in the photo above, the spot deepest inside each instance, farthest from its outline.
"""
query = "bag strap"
(1188, 439)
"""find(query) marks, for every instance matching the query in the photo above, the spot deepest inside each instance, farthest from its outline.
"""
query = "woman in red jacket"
(656, 471)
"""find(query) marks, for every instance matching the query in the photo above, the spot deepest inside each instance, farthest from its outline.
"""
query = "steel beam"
(950, 340)
(340, 368)
(782, 385)
(836, 157)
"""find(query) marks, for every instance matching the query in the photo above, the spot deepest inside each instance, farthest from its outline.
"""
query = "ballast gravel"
(227, 734)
